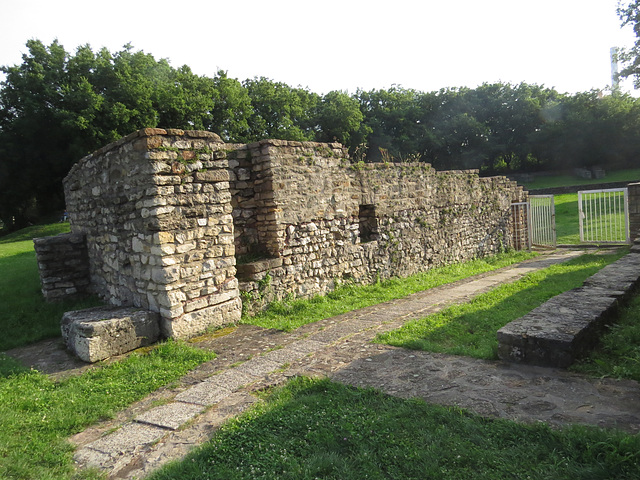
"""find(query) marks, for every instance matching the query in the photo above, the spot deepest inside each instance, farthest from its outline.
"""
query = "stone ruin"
(192, 229)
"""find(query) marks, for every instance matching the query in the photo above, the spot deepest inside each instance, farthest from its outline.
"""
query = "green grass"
(26, 316)
(38, 415)
(629, 175)
(470, 329)
(35, 231)
(618, 354)
(291, 315)
(315, 429)
(567, 219)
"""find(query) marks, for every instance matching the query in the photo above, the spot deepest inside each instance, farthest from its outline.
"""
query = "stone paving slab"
(176, 444)
(205, 394)
(129, 436)
(231, 379)
(171, 416)
(258, 366)
(282, 356)
(114, 451)
(305, 347)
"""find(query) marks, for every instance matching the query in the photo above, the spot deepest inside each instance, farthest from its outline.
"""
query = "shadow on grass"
(319, 429)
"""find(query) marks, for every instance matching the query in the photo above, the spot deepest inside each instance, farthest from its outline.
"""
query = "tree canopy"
(629, 14)
(56, 107)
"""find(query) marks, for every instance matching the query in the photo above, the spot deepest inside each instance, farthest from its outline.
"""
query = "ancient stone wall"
(155, 208)
(326, 220)
(165, 213)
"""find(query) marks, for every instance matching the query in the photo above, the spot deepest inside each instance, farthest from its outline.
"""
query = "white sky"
(342, 44)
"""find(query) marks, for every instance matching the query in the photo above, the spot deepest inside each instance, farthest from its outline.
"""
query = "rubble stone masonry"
(166, 215)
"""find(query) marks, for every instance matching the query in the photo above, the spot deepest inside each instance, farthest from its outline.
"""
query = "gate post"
(520, 223)
(634, 210)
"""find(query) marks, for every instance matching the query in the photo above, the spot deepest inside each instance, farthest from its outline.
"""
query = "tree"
(56, 107)
(630, 16)
(232, 109)
(280, 111)
(340, 119)
(394, 118)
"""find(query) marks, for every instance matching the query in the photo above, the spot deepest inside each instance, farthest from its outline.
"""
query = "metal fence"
(542, 220)
(604, 216)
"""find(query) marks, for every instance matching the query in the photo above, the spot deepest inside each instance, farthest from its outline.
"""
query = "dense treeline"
(56, 107)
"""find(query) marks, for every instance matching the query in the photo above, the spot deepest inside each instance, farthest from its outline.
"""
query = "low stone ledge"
(618, 276)
(98, 333)
(250, 270)
(564, 328)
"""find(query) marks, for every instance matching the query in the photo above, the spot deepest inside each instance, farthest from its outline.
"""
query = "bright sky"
(343, 44)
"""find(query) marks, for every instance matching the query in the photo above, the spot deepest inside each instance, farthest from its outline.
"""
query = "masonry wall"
(155, 208)
(327, 220)
(167, 213)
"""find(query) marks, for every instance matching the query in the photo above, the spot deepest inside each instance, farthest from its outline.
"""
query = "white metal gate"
(542, 221)
(604, 216)
(534, 222)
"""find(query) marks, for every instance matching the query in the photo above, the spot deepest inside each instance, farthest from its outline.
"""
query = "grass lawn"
(37, 414)
(567, 219)
(618, 354)
(315, 429)
(470, 329)
(291, 315)
(628, 175)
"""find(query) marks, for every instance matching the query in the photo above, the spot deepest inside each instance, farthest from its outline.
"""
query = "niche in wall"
(368, 223)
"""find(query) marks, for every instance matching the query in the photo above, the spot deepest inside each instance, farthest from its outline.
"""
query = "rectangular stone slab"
(98, 333)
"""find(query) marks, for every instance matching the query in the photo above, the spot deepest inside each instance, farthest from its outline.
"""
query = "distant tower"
(615, 79)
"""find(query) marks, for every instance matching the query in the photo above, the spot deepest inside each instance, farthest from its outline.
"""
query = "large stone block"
(227, 312)
(102, 332)
(567, 326)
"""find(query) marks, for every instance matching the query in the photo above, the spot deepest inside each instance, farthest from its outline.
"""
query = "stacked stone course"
(63, 266)
(166, 212)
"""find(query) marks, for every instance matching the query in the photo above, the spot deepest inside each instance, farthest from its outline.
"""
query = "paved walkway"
(167, 424)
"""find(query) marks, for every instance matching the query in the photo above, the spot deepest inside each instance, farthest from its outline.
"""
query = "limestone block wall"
(427, 218)
(155, 208)
(326, 220)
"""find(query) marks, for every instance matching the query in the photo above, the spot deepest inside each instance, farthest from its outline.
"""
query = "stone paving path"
(168, 423)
